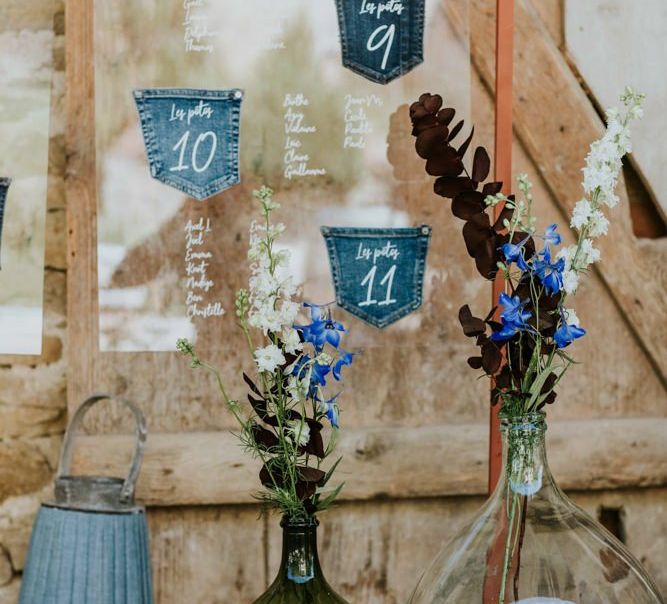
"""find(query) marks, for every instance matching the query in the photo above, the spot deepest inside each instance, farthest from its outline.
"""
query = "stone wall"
(33, 389)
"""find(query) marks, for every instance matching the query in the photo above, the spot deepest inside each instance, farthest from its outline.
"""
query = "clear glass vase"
(300, 579)
(531, 544)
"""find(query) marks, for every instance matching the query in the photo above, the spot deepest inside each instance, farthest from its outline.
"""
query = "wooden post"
(503, 172)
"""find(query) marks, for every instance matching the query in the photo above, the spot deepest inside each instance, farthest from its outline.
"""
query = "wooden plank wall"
(412, 486)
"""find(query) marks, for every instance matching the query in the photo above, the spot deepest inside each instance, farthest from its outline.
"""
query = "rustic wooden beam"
(82, 324)
(393, 463)
(556, 123)
(503, 173)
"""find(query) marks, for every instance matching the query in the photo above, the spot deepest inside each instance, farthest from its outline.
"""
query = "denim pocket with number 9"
(381, 39)
(4, 187)
(192, 137)
(378, 273)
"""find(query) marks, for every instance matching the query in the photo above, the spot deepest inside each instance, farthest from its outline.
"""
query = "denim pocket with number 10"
(378, 273)
(4, 187)
(192, 137)
(381, 39)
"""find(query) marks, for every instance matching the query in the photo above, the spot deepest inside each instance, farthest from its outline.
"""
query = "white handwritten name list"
(198, 284)
(197, 36)
(272, 33)
(296, 160)
(356, 119)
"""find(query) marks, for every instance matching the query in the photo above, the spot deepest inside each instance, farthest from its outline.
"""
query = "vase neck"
(300, 563)
(526, 469)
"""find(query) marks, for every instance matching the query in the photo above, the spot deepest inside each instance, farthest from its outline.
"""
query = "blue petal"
(551, 237)
(345, 359)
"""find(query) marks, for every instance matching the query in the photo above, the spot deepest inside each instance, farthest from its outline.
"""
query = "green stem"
(509, 549)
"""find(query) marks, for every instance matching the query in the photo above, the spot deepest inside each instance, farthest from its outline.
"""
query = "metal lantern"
(90, 546)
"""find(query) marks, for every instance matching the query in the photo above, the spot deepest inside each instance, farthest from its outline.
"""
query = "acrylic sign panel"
(25, 97)
(334, 144)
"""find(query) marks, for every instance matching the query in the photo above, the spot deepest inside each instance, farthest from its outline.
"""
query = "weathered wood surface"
(556, 123)
(210, 468)
(207, 555)
(81, 190)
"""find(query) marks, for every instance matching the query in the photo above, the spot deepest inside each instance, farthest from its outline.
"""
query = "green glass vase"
(300, 579)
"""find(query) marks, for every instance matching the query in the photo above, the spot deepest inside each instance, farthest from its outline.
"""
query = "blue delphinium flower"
(551, 236)
(568, 333)
(514, 317)
(344, 359)
(330, 409)
(513, 252)
(551, 274)
(318, 373)
(322, 330)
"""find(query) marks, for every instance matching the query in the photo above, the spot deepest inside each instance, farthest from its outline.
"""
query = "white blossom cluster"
(603, 166)
(271, 308)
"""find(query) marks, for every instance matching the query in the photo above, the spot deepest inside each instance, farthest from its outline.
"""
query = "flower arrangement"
(284, 424)
(524, 352)
(524, 339)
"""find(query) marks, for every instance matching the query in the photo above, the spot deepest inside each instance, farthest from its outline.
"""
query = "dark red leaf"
(468, 203)
(315, 445)
(476, 231)
(447, 186)
(491, 358)
(481, 164)
(549, 383)
(445, 116)
(445, 163)
(268, 477)
(491, 188)
(432, 102)
(505, 214)
(258, 405)
(431, 141)
(455, 130)
(264, 437)
(475, 362)
(472, 326)
(486, 258)
(251, 384)
(422, 124)
(464, 147)
(310, 474)
(305, 490)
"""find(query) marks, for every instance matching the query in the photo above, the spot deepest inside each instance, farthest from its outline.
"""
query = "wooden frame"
(178, 466)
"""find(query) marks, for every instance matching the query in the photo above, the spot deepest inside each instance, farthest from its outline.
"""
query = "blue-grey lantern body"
(90, 546)
(4, 187)
(381, 39)
(378, 274)
(192, 137)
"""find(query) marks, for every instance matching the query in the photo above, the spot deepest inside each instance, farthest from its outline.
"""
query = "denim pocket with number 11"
(192, 137)
(381, 39)
(378, 273)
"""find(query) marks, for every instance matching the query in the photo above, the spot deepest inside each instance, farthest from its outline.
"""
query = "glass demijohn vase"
(300, 579)
(531, 544)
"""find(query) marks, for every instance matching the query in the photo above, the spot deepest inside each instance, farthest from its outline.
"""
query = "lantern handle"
(127, 491)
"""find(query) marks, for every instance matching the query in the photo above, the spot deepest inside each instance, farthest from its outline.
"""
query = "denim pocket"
(378, 273)
(192, 137)
(4, 187)
(381, 39)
